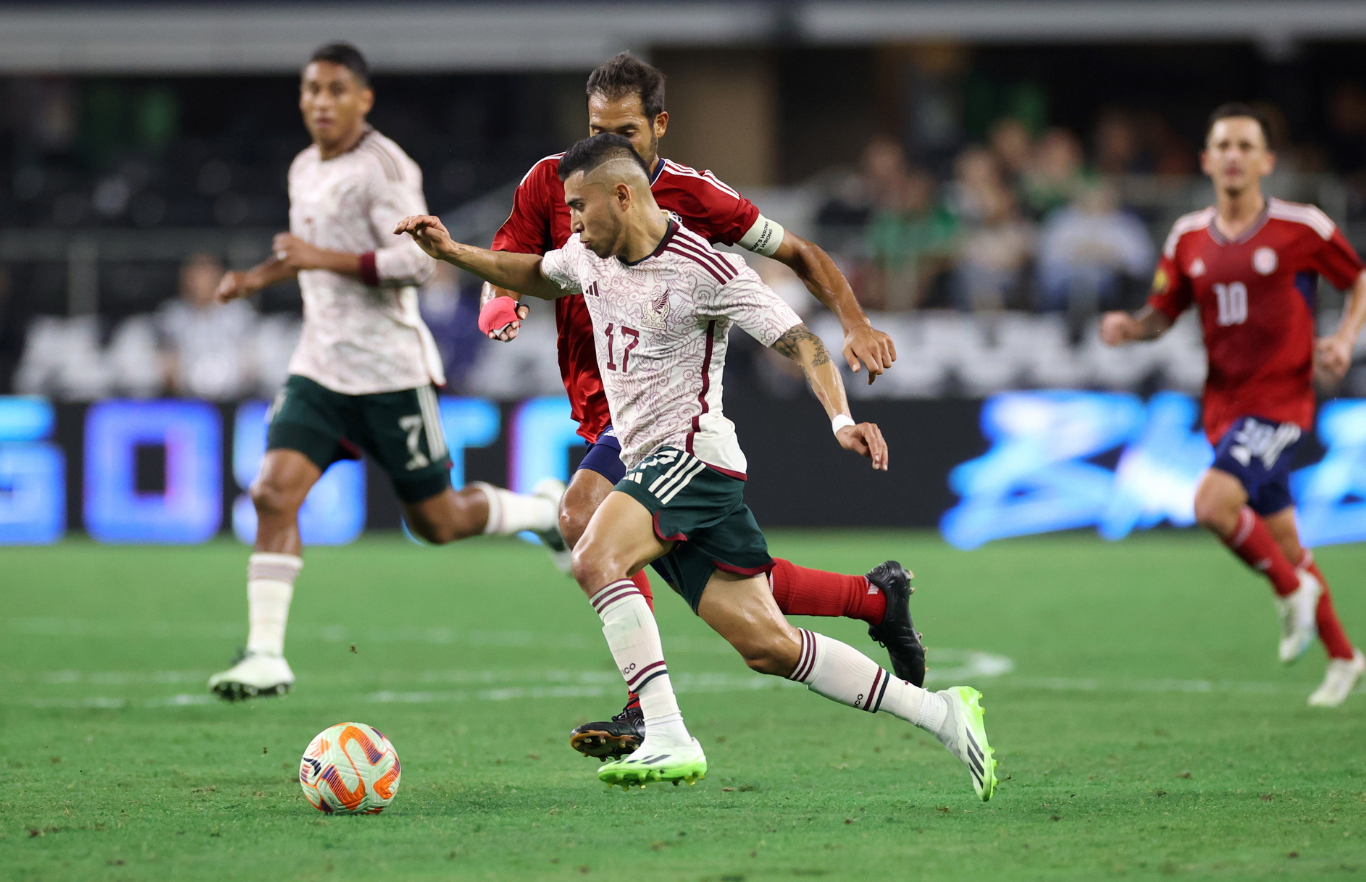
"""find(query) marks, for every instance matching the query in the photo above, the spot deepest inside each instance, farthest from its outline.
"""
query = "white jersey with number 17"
(660, 327)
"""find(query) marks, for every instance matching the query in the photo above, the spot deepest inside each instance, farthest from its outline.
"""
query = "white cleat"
(1297, 610)
(1341, 679)
(964, 733)
(552, 539)
(255, 675)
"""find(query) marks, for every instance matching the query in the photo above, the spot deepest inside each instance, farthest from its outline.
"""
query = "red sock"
(1252, 542)
(1335, 640)
(803, 592)
(643, 586)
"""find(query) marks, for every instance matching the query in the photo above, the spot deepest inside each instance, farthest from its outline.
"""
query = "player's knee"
(589, 569)
(271, 497)
(573, 524)
(775, 654)
(1214, 512)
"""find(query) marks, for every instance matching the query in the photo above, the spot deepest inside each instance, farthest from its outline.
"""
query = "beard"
(610, 243)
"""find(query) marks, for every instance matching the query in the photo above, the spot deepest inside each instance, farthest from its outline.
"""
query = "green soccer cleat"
(673, 763)
(965, 735)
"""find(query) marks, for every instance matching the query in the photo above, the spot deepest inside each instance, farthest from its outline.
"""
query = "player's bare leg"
(1346, 663)
(279, 491)
(1221, 507)
(482, 509)
(620, 539)
(741, 609)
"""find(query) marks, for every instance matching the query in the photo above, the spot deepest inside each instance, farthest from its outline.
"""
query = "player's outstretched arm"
(807, 350)
(244, 283)
(506, 269)
(1333, 355)
(1118, 328)
(862, 342)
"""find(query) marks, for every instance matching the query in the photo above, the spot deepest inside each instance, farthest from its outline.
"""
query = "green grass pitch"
(1144, 727)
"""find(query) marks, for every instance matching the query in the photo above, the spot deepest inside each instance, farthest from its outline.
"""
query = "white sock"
(270, 587)
(842, 673)
(511, 513)
(633, 637)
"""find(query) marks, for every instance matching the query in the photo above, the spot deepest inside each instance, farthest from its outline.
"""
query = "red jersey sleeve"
(1171, 292)
(1336, 261)
(527, 229)
(713, 210)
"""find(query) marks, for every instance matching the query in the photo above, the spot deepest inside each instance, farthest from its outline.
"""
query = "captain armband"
(763, 238)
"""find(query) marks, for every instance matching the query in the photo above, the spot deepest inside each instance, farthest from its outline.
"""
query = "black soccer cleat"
(611, 740)
(896, 632)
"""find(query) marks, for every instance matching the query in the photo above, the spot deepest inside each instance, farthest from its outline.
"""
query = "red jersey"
(540, 222)
(1256, 298)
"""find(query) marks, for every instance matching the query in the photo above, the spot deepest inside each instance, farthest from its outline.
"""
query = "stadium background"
(988, 176)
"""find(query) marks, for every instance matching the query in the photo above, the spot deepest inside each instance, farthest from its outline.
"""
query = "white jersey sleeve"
(749, 303)
(403, 262)
(562, 266)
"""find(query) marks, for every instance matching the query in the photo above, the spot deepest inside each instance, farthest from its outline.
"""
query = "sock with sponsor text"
(511, 513)
(801, 591)
(633, 636)
(1252, 542)
(1334, 637)
(842, 673)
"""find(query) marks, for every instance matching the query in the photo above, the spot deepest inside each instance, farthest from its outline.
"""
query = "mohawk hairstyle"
(1234, 108)
(347, 56)
(627, 75)
(590, 153)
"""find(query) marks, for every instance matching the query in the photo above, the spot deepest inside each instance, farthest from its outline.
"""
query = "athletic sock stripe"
(878, 680)
(806, 660)
(612, 593)
(645, 675)
(683, 481)
(875, 699)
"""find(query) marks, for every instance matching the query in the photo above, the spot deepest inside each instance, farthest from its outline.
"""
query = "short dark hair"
(347, 56)
(1234, 108)
(592, 152)
(626, 75)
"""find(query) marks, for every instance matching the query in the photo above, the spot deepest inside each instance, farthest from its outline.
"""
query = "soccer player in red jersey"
(1251, 264)
(626, 97)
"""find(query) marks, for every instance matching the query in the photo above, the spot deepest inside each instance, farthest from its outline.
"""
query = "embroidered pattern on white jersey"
(660, 329)
(356, 339)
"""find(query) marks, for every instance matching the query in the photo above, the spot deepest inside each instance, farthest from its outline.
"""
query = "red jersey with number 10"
(540, 222)
(1256, 299)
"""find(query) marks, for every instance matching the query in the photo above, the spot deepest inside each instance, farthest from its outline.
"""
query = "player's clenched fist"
(866, 440)
(1118, 327)
(429, 233)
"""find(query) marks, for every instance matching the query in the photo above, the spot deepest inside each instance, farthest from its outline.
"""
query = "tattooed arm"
(807, 350)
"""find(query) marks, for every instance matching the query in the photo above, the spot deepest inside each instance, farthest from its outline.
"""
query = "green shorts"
(401, 431)
(704, 512)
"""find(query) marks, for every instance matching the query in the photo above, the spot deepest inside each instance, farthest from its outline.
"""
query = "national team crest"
(657, 311)
(1197, 268)
(1264, 261)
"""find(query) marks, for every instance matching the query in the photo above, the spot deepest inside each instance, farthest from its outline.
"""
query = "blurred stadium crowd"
(987, 258)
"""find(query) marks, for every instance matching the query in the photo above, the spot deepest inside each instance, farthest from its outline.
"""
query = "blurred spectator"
(1347, 123)
(1086, 250)
(1117, 144)
(451, 311)
(1014, 147)
(859, 196)
(977, 179)
(1055, 174)
(995, 246)
(207, 348)
(910, 242)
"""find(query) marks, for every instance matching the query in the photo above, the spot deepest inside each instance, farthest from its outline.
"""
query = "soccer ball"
(350, 768)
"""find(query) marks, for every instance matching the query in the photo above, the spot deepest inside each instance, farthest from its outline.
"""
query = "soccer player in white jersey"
(364, 374)
(662, 301)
